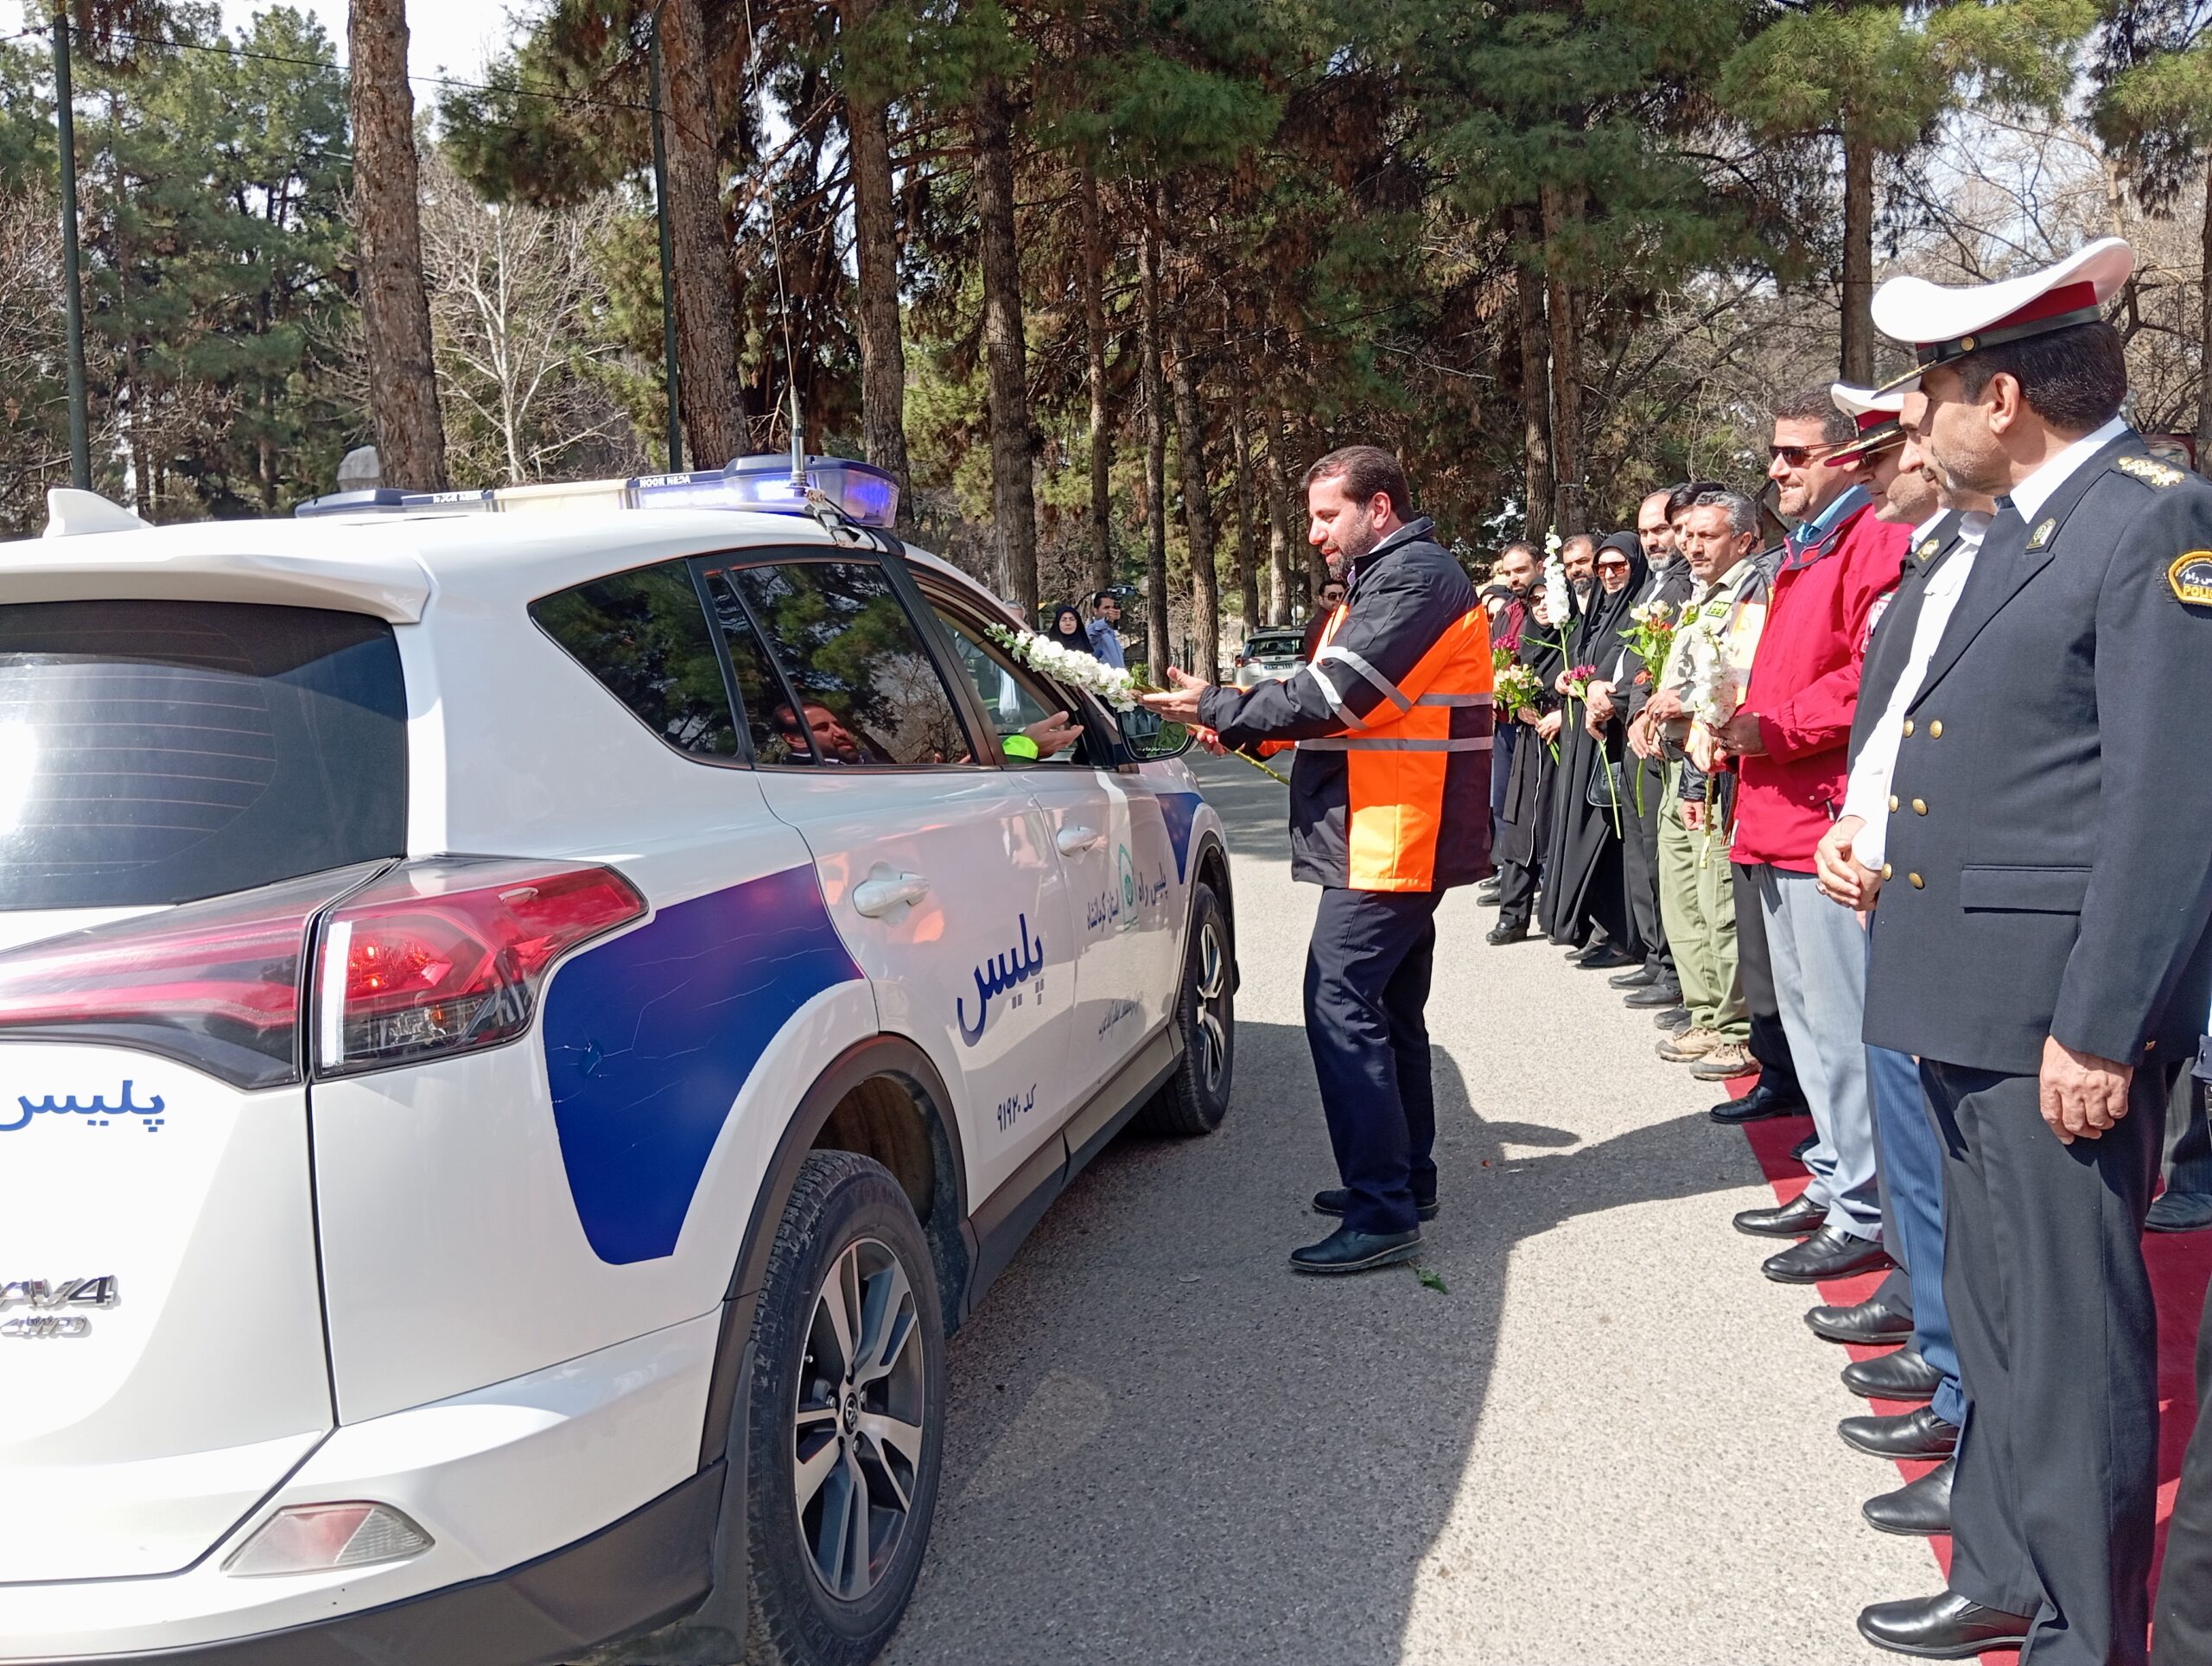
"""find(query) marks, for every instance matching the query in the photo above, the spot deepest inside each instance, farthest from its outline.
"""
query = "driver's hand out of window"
(1044, 738)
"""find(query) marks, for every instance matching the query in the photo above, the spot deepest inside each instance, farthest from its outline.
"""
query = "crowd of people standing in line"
(1916, 852)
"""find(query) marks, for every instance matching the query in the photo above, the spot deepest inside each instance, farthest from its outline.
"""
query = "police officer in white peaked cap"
(2043, 944)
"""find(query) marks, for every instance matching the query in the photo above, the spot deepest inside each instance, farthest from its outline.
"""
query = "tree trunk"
(1013, 504)
(1198, 509)
(1567, 368)
(395, 306)
(1159, 651)
(706, 276)
(1248, 544)
(1535, 387)
(1858, 357)
(1279, 529)
(2204, 339)
(875, 253)
(1093, 348)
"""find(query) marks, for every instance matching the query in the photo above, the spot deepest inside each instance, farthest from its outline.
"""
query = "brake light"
(447, 956)
(215, 984)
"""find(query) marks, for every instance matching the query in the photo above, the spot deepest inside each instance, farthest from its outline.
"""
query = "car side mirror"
(1152, 737)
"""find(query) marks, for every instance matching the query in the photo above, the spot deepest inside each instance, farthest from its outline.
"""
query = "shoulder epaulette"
(2150, 470)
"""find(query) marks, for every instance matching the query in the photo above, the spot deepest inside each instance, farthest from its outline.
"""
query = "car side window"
(760, 689)
(1018, 703)
(645, 637)
(863, 689)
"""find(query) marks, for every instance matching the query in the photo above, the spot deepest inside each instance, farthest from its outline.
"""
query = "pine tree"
(395, 306)
(2154, 109)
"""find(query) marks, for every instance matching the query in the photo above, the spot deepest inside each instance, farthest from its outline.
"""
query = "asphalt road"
(1607, 1438)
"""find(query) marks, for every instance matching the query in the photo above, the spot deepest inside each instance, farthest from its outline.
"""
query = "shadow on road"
(1164, 1445)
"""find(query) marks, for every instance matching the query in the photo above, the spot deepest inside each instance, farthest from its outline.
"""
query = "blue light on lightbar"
(864, 494)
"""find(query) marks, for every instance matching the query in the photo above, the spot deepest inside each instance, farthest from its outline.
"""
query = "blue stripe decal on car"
(648, 1038)
(1180, 810)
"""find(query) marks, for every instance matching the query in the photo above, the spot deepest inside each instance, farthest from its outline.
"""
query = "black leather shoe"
(1603, 958)
(1829, 1252)
(1486, 893)
(1760, 1103)
(1634, 980)
(1945, 1627)
(1799, 1218)
(1799, 1152)
(2179, 1211)
(1673, 1020)
(1656, 994)
(1871, 1324)
(1502, 933)
(1332, 1202)
(1900, 1376)
(1916, 1435)
(1920, 1507)
(1346, 1251)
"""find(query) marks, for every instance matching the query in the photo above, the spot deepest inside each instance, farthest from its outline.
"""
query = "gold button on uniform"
(1885, 870)
(1893, 801)
(1908, 726)
(1917, 882)
(1919, 806)
(1935, 731)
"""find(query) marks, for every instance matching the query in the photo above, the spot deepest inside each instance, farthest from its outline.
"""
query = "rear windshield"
(155, 752)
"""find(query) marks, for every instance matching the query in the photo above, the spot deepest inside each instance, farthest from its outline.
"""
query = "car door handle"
(875, 897)
(1073, 841)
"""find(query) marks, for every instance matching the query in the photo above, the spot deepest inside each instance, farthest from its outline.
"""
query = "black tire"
(1195, 1099)
(842, 1205)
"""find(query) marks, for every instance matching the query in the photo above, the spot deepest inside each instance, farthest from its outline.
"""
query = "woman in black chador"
(1584, 900)
(1524, 818)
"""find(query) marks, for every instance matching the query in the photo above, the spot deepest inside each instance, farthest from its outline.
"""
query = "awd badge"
(2041, 536)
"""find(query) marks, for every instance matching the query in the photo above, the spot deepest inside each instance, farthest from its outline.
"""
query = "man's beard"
(1583, 585)
(1356, 543)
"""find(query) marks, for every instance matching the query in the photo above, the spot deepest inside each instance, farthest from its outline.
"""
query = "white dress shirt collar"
(2031, 494)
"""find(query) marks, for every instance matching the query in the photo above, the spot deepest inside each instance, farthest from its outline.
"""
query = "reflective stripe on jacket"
(1390, 790)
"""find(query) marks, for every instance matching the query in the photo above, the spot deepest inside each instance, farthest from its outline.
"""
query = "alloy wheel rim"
(857, 1424)
(1213, 1002)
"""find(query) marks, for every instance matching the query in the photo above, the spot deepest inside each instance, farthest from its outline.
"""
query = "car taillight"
(216, 983)
(447, 956)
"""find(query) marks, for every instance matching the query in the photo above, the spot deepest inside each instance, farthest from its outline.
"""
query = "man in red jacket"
(1791, 738)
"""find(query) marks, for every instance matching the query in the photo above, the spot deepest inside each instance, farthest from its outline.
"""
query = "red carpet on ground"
(2180, 1263)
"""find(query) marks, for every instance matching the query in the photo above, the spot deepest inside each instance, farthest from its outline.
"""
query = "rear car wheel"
(1195, 1098)
(848, 1418)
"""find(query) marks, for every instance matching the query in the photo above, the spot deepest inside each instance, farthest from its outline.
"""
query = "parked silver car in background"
(1269, 655)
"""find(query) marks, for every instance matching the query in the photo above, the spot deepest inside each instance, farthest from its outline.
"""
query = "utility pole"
(73, 299)
(667, 257)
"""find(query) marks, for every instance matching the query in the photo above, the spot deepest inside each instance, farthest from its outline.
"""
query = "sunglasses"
(1797, 455)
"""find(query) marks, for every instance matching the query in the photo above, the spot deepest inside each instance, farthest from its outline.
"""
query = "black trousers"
(2052, 1504)
(1640, 861)
(1517, 892)
(1367, 975)
(2185, 1587)
(1768, 1044)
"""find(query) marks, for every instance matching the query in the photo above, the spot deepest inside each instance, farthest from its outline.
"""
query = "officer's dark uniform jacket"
(1390, 790)
(1889, 650)
(2050, 868)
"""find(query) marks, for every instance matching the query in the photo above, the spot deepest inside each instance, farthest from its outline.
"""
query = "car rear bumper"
(504, 1479)
(643, 1571)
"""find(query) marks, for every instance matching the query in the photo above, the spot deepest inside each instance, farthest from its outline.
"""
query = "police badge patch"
(2191, 578)
(2148, 470)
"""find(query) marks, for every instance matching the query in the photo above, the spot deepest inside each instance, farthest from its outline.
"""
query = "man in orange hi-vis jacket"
(1389, 808)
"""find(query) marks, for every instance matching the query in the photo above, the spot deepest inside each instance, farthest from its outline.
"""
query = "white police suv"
(520, 1034)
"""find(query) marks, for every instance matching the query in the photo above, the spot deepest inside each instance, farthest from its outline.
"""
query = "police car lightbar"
(862, 493)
